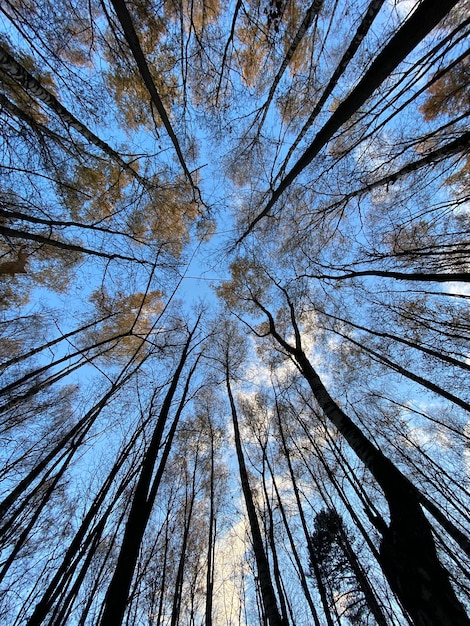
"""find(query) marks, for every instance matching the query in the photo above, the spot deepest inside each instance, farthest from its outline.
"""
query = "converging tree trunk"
(408, 552)
(264, 575)
(142, 503)
(234, 270)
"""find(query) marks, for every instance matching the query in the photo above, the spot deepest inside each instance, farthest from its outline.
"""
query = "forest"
(235, 322)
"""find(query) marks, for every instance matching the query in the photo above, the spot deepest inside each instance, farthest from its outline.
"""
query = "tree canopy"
(234, 325)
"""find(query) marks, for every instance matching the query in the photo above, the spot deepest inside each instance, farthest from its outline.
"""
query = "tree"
(234, 325)
(332, 551)
(408, 536)
(270, 610)
(144, 498)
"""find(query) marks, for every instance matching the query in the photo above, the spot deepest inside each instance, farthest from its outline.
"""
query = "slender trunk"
(362, 30)
(292, 543)
(29, 526)
(344, 542)
(238, 6)
(35, 125)
(211, 539)
(53, 342)
(408, 553)
(164, 573)
(188, 511)
(67, 357)
(411, 344)
(132, 39)
(73, 439)
(264, 575)
(456, 146)
(369, 508)
(316, 571)
(272, 543)
(93, 593)
(62, 611)
(14, 515)
(33, 87)
(12, 215)
(41, 385)
(435, 277)
(116, 597)
(426, 17)
(407, 374)
(62, 245)
(310, 14)
(66, 568)
(361, 578)
(369, 593)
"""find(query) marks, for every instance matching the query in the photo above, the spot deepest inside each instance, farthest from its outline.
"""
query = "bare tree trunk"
(408, 553)
(66, 569)
(426, 17)
(361, 578)
(362, 30)
(116, 598)
(264, 576)
(211, 538)
(72, 440)
(188, 511)
(272, 543)
(316, 571)
(33, 87)
(132, 39)
(300, 568)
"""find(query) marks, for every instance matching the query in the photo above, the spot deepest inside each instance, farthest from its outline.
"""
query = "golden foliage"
(450, 94)
(126, 84)
(201, 12)
(93, 191)
(18, 266)
(131, 318)
(165, 219)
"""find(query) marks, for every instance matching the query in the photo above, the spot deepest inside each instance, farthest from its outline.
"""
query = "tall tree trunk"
(407, 374)
(362, 579)
(310, 15)
(164, 572)
(426, 17)
(362, 30)
(49, 344)
(211, 538)
(72, 440)
(33, 87)
(116, 598)
(272, 543)
(62, 245)
(298, 562)
(71, 560)
(408, 552)
(132, 39)
(316, 571)
(264, 575)
(188, 511)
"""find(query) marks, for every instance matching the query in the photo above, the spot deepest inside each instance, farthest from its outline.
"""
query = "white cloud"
(404, 7)
(466, 461)
(466, 452)
(230, 572)
(461, 289)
